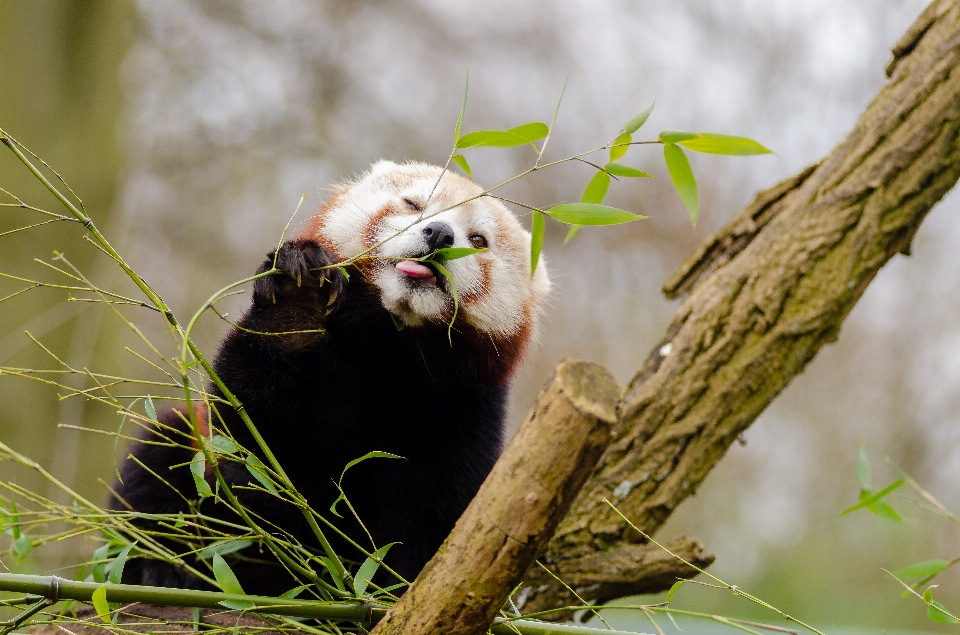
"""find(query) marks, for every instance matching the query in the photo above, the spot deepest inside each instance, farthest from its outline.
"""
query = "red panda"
(386, 373)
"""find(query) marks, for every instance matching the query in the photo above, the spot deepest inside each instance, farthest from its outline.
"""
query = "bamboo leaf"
(590, 214)
(334, 572)
(939, 613)
(463, 109)
(453, 294)
(99, 600)
(683, 180)
(223, 445)
(151, 411)
(536, 240)
(452, 253)
(634, 124)
(22, 546)
(596, 189)
(620, 146)
(923, 569)
(225, 577)
(259, 471)
(369, 567)
(224, 547)
(711, 143)
(368, 455)
(868, 498)
(675, 136)
(99, 563)
(294, 592)
(198, 467)
(863, 469)
(526, 133)
(883, 510)
(116, 439)
(116, 569)
(673, 590)
(619, 169)
(461, 160)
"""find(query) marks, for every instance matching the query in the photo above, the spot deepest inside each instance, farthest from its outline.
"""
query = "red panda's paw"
(302, 278)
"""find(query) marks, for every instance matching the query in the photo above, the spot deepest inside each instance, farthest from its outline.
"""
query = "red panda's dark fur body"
(321, 400)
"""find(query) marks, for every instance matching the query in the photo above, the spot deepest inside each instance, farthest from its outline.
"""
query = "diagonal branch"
(764, 295)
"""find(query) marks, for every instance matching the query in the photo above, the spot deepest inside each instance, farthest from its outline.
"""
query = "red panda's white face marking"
(391, 210)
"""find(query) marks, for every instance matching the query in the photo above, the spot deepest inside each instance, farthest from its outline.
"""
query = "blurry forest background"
(190, 130)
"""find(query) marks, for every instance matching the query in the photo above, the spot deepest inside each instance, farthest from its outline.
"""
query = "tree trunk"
(763, 295)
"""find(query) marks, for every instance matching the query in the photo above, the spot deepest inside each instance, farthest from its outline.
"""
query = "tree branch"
(765, 294)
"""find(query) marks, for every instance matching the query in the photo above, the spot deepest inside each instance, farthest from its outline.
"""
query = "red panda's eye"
(478, 241)
(412, 205)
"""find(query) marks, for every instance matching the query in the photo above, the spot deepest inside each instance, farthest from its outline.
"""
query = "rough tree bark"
(763, 295)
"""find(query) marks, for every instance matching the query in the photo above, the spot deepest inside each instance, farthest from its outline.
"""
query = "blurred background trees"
(190, 130)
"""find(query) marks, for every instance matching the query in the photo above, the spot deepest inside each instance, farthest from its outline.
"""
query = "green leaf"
(868, 498)
(333, 571)
(116, 569)
(15, 518)
(116, 439)
(237, 605)
(100, 603)
(571, 232)
(453, 253)
(22, 546)
(527, 133)
(151, 411)
(223, 445)
(225, 577)
(711, 143)
(863, 469)
(369, 567)
(536, 240)
(463, 108)
(673, 590)
(923, 569)
(939, 613)
(675, 136)
(619, 146)
(883, 510)
(461, 160)
(294, 592)
(99, 563)
(181, 521)
(590, 214)
(619, 169)
(198, 467)
(596, 189)
(928, 595)
(634, 124)
(224, 547)
(683, 180)
(376, 454)
(453, 294)
(368, 455)
(259, 471)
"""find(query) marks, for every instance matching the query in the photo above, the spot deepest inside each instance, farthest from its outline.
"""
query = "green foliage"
(682, 176)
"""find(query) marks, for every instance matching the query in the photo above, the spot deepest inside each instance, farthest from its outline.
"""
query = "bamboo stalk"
(56, 588)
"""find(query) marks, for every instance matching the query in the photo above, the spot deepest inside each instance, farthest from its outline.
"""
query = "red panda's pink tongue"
(414, 269)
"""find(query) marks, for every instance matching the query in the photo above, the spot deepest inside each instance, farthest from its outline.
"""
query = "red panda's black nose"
(439, 235)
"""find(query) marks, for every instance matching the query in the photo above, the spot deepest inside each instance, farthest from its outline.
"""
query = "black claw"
(300, 262)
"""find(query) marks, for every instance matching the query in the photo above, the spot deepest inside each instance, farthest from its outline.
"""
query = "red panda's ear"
(382, 166)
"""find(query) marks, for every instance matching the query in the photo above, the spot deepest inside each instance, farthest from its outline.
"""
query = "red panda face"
(395, 214)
